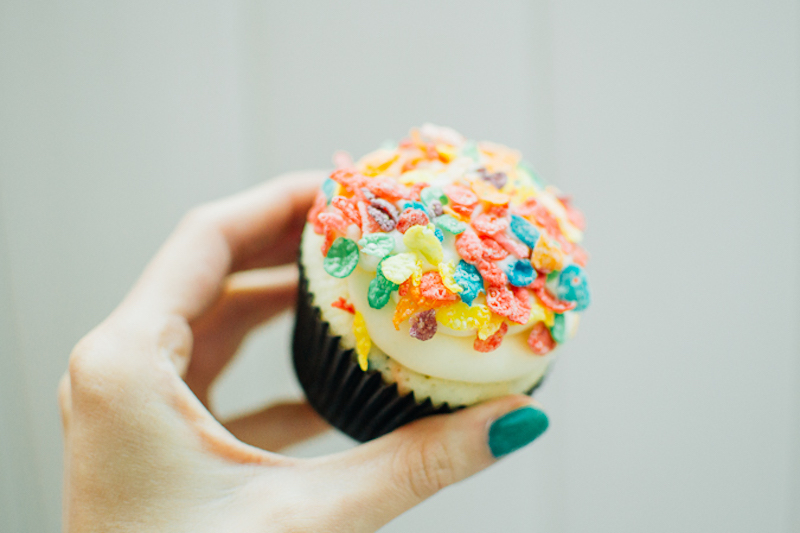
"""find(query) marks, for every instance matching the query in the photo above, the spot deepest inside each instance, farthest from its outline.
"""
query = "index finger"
(186, 274)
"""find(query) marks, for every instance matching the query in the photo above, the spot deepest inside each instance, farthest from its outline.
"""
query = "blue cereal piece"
(470, 280)
(329, 188)
(520, 273)
(410, 204)
(524, 230)
(439, 234)
(573, 286)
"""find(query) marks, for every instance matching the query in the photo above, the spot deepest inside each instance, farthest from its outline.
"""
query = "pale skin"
(143, 449)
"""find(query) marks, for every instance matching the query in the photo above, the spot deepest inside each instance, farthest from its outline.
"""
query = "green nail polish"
(514, 430)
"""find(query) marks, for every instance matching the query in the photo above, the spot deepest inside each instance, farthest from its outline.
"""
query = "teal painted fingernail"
(514, 430)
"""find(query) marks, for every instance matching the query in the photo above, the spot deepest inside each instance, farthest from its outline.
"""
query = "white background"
(674, 124)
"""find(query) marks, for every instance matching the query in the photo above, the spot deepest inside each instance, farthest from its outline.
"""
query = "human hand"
(143, 451)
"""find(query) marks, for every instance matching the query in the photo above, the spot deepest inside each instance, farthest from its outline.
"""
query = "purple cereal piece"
(498, 179)
(367, 193)
(385, 206)
(423, 325)
(383, 220)
(436, 207)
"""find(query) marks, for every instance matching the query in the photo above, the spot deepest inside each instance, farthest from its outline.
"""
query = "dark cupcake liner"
(358, 403)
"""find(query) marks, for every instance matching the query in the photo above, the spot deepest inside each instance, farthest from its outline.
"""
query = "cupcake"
(435, 274)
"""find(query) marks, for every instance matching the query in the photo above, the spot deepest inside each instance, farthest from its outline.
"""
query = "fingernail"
(516, 429)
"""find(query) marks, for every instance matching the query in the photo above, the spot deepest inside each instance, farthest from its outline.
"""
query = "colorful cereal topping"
(467, 237)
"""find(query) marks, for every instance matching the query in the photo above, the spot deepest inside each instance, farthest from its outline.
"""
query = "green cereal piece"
(380, 290)
(451, 224)
(342, 258)
(470, 150)
(553, 275)
(559, 329)
(429, 194)
(377, 244)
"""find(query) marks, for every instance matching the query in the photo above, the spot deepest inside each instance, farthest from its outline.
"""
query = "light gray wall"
(674, 125)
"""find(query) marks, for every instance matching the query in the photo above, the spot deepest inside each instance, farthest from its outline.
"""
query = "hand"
(144, 453)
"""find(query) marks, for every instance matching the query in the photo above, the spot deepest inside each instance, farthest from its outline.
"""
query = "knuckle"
(427, 467)
(94, 369)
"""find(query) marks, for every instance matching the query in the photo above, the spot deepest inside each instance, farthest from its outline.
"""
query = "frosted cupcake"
(435, 274)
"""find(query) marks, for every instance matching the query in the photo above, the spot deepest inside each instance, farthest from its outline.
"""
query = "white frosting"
(446, 355)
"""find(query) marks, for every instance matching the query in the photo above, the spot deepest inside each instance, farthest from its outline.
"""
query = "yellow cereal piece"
(447, 271)
(547, 256)
(488, 193)
(490, 326)
(446, 152)
(423, 240)
(363, 342)
(377, 162)
(416, 176)
(462, 317)
(416, 276)
(540, 313)
(522, 193)
(400, 267)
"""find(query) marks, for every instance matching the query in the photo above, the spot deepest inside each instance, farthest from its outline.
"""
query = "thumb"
(392, 474)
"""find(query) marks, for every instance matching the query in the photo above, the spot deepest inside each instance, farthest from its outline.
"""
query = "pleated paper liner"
(358, 403)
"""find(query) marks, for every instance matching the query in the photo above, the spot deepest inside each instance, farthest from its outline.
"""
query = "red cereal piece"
(460, 195)
(573, 214)
(526, 208)
(492, 274)
(351, 180)
(387, 189)
(492, 342)
(333, 224)
(540, 340)
(522, 311)
(492, 251)
(515, 248)
(500, 211)
(432, 288)
(344, 305)
(347, 207)
(368, 224)
(487, 224)
(333, 220)
(501, 300)
(469, 247)
(411, 217)
(547, 221)
(320, 203)
(547, 299)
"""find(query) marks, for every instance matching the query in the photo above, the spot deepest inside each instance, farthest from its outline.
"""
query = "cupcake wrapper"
(358, 403)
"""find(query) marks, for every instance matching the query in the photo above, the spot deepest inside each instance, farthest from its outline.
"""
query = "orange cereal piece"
(469, 247)
(547, 257)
